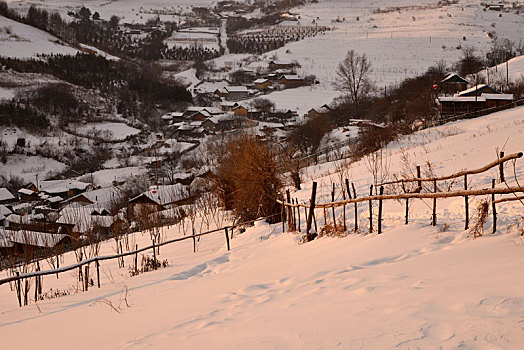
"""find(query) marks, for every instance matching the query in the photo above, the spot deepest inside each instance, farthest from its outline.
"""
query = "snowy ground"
(414, 286)
(107, 130)
(28, 168)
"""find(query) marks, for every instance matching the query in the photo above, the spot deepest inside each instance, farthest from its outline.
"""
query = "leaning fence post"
(298, 212)
(501, 168)
(97, 272)
(227, 239)
(493, 208)
(380, 210)
(289, 213)
(466, 203)
(311, 211)
(86, 276)
(370, 210)
(282, 215)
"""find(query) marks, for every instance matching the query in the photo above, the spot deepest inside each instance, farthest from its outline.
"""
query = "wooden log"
(309, 237)
(57, 264)
(282, 214)
(227, 239)
(460, 193)
(466, 203)
(356, 206)
(370, 209)
(501, 168)
(380, 211)
(461, 173)
(294, 215)
(344, 209)
(493, 207)
(121, 258)
(510, 199)
(434, 217)
(26, 291)
(136, 259)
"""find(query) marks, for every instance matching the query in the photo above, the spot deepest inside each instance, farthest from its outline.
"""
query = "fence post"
(86, 277)
(310, 237)
(227, 239)
(136, 259)
(289, 212)
(194, 241)
(121, 251)
(418, 177)
(356, 206)
(434, 219)
(282, 215)
(154, 254)
(333, 207)
(370, 210)
(466, 202)
(493, 208)
(380, 210)
(407, 211)
(298, 212)
(97, 272)
(501, 168)
(18, 291)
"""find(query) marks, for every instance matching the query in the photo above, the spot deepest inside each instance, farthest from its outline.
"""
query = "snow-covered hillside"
(414, 286)
(20, 40)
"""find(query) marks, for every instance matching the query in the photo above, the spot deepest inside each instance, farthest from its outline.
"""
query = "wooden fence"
(19, 278)
(293, 207)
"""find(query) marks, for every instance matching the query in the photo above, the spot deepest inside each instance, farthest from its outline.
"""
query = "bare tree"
(353, 77)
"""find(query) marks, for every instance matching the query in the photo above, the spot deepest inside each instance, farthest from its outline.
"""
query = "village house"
(81, 219)
(454, 105)
(24, 240)
(63, 188)
(274, 65)
(240, 111)
(478, 90)
(235, 93)
(227, 106)
(27, 196)
(292, 81)
(323, 111)
(158, 198)
(4, 212)
(453, 83)
(108, 197)
(262, 84)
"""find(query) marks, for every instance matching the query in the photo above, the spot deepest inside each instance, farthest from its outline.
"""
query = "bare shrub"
(479, 219)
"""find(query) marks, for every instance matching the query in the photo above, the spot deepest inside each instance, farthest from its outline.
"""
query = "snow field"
(414, 286)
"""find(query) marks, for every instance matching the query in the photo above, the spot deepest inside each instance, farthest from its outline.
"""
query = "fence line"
(118, 256)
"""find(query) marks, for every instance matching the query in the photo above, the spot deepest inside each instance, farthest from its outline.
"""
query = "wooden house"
(478, 90)
(235, 93)
(240, 111)
(453, 83)
(262, 84)
(27, 195)
(292, 81)
(274, 65)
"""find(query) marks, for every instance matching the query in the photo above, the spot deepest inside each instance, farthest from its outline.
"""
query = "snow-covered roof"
(213, 110)
(5, 195)
(236, 89)
(462, 99)
(229, 104)
(101, 197)
(5, 211)
(84, 217)
(260, 81)
(33, 238)
(453, 76)
(290, 77)
(507, 97)
(55, 199)
(166, 117)
(24, 219)
(55, 186)
(26, 191)
(165, 194)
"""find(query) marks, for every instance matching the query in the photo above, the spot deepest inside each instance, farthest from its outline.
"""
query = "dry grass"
(479, 219)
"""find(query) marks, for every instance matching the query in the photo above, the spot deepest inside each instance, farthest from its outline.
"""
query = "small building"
(227, 106)
(292, 81)
(4, 213)
(453, 83)
(27, 195)
(323, 111)
(240, 111)
(262, 84)
(235, 93)
(158, 198)
(274, 65)
(6, 197)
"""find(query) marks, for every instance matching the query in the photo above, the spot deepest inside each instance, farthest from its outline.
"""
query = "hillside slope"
(414, 286)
